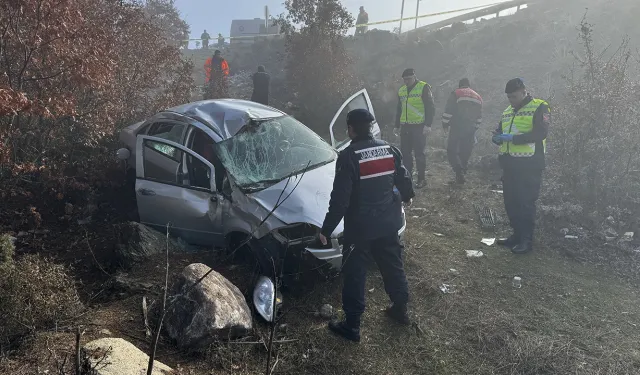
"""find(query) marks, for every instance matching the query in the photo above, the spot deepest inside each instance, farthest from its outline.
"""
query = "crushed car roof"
(226, 116)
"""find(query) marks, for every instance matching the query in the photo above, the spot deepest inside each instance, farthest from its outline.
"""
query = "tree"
(165, 16)
(73, 71)
(318, 66)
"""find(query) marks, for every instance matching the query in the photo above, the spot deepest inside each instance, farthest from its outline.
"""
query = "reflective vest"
(412, 105)
(520, 122)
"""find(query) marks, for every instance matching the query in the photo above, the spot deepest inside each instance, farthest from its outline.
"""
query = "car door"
(338, 127)
(186, 201)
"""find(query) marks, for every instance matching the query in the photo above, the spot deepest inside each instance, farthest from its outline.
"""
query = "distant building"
(243, 31)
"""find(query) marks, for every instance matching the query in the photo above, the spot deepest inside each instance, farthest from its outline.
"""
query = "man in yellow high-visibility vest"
(521, 135)
(414, 117)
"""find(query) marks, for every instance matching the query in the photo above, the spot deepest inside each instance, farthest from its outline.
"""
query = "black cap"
(217, 52)
(359, 116)
(261, 68)
(408, 72)
(514, 85)
(464, 83)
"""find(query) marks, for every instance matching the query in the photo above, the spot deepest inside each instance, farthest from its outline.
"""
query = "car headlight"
(263, 296)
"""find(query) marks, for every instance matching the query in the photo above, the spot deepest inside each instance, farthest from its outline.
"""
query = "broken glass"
(265, 152)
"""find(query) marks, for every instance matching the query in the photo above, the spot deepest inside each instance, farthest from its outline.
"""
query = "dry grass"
(35, 294)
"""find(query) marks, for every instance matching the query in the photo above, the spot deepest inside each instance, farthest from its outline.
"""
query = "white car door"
(188, 201)
(338, 127)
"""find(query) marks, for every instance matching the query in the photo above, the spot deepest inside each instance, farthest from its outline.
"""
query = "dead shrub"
(594, 154)
(35, 294)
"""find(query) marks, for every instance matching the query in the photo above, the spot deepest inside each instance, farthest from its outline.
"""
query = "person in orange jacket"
(216, 70)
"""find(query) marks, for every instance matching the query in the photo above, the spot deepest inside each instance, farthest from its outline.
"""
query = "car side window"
(340, 126)
(170, 131)
(162, 168)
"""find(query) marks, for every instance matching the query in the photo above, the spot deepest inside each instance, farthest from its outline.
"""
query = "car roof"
(225, 116)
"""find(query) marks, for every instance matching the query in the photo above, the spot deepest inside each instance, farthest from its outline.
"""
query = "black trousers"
(387, 253)
(459, 147)
(521, 189)
(413, 143)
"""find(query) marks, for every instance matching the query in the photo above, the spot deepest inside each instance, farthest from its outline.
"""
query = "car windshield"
(265, 152)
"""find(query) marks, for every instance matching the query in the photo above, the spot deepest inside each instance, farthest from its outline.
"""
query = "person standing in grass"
(522, 137)
(368, 191)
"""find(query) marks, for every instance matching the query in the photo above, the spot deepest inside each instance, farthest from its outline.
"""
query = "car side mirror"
(123, 154)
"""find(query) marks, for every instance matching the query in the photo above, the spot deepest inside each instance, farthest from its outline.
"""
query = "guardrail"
(494, 9)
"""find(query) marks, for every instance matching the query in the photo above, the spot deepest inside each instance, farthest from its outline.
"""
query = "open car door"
(166, 194)
(338, 127)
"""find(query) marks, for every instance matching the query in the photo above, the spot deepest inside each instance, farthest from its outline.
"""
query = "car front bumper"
(333, 256)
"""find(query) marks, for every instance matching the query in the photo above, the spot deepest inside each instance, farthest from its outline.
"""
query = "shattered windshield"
(265, 152)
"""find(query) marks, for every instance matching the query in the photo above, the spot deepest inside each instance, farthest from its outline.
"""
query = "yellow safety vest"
(520, 122)
(412, 105)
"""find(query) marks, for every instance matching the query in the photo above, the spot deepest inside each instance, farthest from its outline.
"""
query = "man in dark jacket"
(369, 187)
(261, 82)
(462, 116)
(414, 116)
(521, 135)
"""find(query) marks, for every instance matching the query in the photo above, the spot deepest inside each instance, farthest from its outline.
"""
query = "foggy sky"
(216, 15)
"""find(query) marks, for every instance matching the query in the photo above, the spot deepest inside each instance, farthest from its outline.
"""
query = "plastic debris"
(326, 311)
(84, 221)
(628, 236)
(453, 271)
(474, 254)
(564, 231)
(568, 237)
(517, 282)
(497, 191)
(488, 241)
(419, 209)
(447, 289)
(438, 234)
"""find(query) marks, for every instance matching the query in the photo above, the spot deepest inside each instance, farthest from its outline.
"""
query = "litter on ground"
(474, 254)
(488, 241)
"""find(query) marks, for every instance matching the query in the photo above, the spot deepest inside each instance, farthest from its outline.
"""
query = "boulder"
(139, 242)
(211, 310)
(115, 356)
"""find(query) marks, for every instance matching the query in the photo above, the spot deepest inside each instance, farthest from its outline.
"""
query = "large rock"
(138, 242)
(213, 309)
(113, 356)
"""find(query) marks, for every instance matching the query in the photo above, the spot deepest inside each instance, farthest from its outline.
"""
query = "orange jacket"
(224, 67)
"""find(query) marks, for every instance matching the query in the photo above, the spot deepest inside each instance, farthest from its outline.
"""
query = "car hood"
(308, 202)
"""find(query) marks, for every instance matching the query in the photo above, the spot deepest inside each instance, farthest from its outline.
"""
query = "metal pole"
(417, 10)
(401, 16)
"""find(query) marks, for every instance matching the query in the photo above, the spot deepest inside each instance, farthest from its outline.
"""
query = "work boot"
(525, 246)
(398, 313)
(421, 184)
(342, 329)
(510, 242)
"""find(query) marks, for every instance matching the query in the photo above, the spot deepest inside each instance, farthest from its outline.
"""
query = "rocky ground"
(572, 314)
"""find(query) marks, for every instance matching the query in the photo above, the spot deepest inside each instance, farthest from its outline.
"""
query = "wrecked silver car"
(224, 172)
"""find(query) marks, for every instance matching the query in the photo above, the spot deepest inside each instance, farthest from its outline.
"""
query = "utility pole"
(417, 10)
(401, 16)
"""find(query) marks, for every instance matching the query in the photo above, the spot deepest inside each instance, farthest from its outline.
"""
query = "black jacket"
(541, 123)
(463, 110)
(364, 191)
(261, 82)
(429, 106)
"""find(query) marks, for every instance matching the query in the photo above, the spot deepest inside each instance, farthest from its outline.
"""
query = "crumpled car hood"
(308, 203)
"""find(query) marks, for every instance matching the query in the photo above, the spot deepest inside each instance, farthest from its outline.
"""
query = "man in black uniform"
(369, 187)
(521, 135)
